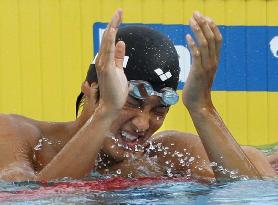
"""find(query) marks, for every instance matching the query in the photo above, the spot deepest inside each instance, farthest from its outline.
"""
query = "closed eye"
(160, 111)
(133, 103)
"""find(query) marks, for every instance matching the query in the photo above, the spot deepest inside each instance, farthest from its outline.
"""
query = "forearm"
(78, 156)
(220, 145)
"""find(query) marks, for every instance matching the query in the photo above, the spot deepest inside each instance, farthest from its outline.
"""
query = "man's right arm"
(77, 157)
(75, 160)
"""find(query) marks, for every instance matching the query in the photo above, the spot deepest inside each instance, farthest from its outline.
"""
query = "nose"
(141, 121)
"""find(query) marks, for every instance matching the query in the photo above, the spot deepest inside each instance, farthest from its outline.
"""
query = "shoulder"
(18, 127)
(260, 161)
(185, 151)
(173, 136)
(182, 142)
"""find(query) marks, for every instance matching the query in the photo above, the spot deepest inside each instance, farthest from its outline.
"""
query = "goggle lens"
(142, 89)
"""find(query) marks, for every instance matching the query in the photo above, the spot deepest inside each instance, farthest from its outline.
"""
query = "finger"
(116, 19)
(217, 35)
(108, 38)
(201, 40)
(119, 54)
(94, 89)
(207, 32)
(112, 28)
(94, 93)
(195, 53)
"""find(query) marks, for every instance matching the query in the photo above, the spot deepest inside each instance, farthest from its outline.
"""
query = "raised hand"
(205, 58)
(218, 142)
(112, 81)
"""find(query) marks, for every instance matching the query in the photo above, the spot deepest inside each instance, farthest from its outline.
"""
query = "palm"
(109, 65)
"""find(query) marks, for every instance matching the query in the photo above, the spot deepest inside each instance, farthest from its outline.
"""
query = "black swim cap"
(151, 57)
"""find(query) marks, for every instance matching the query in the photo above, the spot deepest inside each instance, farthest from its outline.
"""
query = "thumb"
(119, 54)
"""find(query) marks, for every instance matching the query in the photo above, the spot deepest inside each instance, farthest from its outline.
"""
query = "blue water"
(239, 192)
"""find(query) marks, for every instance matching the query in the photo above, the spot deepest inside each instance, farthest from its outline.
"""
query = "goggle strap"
(142, 90)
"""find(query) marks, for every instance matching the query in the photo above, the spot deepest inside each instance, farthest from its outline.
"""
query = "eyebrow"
(135, 99)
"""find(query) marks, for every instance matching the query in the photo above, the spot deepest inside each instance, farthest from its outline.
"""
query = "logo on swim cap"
(163, 76)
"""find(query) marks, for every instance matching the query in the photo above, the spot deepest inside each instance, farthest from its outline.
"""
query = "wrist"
(105, 112)
(199, 106)
(201, 110)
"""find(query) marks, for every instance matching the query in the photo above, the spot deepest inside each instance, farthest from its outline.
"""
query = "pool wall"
(47, 45)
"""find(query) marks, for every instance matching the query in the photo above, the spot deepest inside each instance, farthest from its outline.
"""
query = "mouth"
(128, 137)
(129, 140)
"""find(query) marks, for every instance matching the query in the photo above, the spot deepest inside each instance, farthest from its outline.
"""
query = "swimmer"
(125, 98)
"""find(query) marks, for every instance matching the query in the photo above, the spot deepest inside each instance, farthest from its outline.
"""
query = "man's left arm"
(218, 142)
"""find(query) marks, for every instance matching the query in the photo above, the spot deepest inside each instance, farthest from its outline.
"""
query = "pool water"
(145, 190)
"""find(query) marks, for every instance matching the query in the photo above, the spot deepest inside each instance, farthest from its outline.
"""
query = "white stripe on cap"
(125, 61)
(94, 61)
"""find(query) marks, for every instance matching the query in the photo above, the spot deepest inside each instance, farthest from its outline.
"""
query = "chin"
(119, 153)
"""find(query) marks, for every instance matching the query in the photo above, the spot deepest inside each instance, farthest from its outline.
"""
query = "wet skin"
(36, 150)
(24, 136)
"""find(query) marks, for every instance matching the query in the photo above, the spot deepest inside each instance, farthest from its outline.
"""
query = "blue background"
(246, 62)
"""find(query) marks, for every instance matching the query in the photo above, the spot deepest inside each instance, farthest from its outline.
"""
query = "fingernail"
(208, 19)
(197, 13)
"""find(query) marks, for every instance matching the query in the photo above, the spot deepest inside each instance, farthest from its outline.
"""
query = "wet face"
(137, 122)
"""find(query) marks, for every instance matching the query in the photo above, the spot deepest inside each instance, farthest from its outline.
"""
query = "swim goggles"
(142, 89)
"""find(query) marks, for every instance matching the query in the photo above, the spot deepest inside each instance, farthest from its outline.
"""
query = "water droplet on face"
(34, 157)
(115, 139)
(151, 146)
(191, 159)
(39, 145)
(180, 155)
(213, 164)
(119, 171)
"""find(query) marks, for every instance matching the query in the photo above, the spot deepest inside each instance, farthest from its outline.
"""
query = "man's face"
(136, 123)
